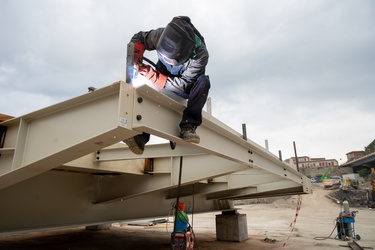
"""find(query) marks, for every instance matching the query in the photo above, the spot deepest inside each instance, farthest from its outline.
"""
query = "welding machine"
(182, 241)
(345, 223)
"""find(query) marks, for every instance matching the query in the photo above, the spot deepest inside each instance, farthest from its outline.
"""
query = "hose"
(324, 238)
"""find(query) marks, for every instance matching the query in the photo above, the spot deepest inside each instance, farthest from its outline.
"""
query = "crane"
(324, 176)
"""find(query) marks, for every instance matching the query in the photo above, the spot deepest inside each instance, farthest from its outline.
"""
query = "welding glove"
(154, 76)
(139, 49)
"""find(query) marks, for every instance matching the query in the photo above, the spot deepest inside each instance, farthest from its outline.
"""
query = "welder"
(182, 59)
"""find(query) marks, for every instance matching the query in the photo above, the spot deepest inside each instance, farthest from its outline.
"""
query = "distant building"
(354, 155)
(307, 162)
(316, 167)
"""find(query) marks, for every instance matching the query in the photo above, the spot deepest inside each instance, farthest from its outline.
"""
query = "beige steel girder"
(67, 166)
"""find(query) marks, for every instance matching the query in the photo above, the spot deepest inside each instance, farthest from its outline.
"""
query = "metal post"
(244, 133)
(280, 156)
(209, 106)
(295, 154)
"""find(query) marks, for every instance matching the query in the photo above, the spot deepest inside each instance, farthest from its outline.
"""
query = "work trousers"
(192, 115)
(197, 97)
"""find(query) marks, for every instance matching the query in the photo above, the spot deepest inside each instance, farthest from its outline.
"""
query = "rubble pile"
(355, 197)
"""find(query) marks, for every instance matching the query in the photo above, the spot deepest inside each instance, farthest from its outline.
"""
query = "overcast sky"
(300, 71)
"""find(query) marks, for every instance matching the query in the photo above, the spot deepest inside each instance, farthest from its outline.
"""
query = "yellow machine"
(349, 183)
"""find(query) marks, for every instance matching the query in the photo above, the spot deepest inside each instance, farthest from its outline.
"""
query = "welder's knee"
(204, 82)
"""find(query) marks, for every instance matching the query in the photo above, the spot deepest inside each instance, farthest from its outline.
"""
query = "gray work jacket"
(191, 69)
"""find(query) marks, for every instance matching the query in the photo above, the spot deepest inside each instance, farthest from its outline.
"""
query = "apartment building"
(307, 162)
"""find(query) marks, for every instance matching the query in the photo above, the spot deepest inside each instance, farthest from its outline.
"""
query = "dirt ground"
(265, 221)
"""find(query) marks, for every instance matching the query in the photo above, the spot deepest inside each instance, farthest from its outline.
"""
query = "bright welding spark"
(139, 81)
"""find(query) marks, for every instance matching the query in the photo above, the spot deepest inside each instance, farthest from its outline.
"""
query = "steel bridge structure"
(65, 165)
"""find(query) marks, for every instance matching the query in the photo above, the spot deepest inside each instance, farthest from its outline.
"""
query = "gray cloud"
(290, 70)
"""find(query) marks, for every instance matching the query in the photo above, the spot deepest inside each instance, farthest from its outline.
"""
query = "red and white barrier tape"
(293, 224)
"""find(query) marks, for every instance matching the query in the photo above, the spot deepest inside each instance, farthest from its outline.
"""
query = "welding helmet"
(177, 42)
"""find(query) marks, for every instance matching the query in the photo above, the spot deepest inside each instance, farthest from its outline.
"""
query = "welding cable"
(149, 61)
(178, 194)
(195, 239)
(178, 201)
(169, 214)
(192, 218)
(324, 238)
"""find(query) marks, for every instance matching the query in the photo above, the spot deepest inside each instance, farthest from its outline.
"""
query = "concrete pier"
(231, 226)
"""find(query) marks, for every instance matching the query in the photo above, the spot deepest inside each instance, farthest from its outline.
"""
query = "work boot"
(136, 144)
(188, 134)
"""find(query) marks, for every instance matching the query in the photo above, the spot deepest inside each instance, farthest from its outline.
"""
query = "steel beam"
(48, 138)
(67, 163)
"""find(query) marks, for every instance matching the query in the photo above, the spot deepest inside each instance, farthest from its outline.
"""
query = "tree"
(370, 148)
(364, 172)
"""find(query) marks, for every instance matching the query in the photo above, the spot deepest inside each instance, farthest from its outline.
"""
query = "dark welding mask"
(177, 42)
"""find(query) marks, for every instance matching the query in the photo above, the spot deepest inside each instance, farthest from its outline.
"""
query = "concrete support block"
(231, 227)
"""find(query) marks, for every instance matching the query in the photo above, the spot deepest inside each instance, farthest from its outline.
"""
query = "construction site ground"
(268, 228)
